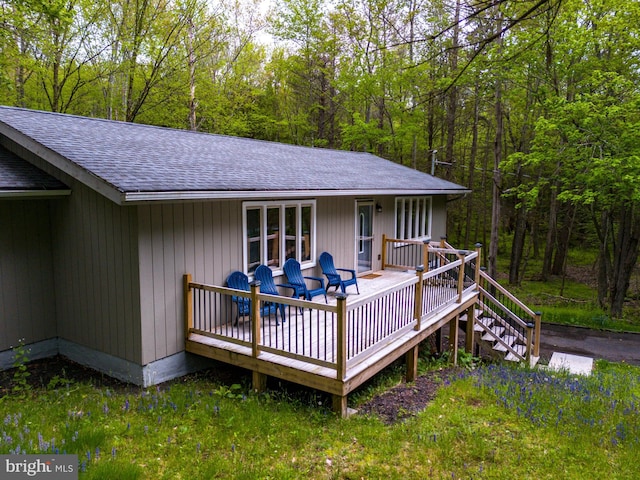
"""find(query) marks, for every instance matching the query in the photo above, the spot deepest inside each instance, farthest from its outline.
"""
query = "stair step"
(496, 330)
(508, 339)
(519, 348)
(486, 321)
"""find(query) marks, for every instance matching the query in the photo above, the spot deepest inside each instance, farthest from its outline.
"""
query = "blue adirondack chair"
(268, 286)
(334, 278)
(297, 281)
(239, 281)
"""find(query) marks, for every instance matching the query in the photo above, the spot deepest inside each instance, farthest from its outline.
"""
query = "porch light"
(378, 208)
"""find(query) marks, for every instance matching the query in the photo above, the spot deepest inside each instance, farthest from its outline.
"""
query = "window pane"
(407, 220)
(273, 237)
(305, 253)
(291, 227)
(412, 217)
(254, 245)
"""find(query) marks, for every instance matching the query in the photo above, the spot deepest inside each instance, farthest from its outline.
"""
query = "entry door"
(364, 236)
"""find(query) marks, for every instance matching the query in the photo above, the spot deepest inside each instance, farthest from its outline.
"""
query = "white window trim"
(422, 220)
(283, 204)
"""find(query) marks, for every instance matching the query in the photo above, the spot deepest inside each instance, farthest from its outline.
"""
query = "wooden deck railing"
(335, 336)
(519, 320)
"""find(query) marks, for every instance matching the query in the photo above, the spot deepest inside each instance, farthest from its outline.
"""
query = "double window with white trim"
(275, 231)
(413, 218)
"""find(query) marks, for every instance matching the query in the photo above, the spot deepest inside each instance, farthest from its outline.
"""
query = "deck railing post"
(418, 297)
(536, 341)
(384, 250)
(188, 305)
(530, 334)
(255, 318)
(478, 264)
(462, 257)
(425, 255)
(341, 347)
(443, 242)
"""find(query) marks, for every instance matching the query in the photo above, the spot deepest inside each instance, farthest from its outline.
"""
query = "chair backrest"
(238, 280)
(326, 264)
(293, 272)
(265, 276)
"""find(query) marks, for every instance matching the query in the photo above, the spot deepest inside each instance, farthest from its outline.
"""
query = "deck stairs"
(504, 328)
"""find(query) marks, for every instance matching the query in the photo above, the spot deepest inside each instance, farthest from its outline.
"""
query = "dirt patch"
(404, 401)
(56, 370)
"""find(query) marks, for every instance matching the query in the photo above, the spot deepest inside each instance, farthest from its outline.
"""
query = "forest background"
(532, 104)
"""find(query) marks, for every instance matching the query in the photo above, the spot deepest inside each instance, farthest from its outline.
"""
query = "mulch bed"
(405, 400)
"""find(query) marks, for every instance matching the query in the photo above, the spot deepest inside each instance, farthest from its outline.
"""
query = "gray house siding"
(204, 239)
(27, 299)
(96, 272)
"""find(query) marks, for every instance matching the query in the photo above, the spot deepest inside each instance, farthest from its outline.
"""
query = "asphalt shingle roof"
(17, 174)
(141, 158)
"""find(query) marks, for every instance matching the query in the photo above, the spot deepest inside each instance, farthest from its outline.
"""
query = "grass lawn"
(493, 421)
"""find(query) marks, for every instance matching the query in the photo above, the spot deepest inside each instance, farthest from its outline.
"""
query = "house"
(101, 220)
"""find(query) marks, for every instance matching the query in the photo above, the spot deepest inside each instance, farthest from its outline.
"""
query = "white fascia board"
(34, 193)
(177, 196)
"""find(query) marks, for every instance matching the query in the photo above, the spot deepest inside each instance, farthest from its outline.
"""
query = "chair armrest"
(352, 272)
(317, 279)
(288, 285)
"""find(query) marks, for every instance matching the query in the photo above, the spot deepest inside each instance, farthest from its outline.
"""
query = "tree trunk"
(191, 60)
(604, 263)
(563, 238)
(497, 181)
(551, 234)
(453, 95)
(625, 255)
(517, 245)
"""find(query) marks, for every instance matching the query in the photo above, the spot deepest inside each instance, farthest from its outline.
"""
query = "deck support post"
(437, 339)
(470, 331)
(259, 381)
(339, 405)
(188, 305)
(453, 339)
(412, 364)
(417, 313)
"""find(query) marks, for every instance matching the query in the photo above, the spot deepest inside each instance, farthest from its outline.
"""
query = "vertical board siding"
(336, 228)
(27, 303)
(96, 273)
(204, 239)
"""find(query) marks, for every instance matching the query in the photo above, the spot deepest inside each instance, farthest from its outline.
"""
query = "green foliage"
(492, 422)
(21, 372)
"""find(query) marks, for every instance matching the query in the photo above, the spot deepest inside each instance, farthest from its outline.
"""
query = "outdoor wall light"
(378, 208)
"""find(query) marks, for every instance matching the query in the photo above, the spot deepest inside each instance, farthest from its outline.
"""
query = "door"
(364, 236)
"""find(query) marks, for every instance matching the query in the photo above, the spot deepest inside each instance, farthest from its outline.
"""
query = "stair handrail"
(532, 326)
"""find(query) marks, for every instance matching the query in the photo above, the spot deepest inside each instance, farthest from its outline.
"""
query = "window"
(413, 218)
(276, 231)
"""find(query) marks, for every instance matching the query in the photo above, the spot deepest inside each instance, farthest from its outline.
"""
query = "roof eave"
(58, 161)
(34, 194)
(203, 195)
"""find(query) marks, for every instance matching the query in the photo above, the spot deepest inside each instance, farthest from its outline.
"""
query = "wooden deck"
(333, 346)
